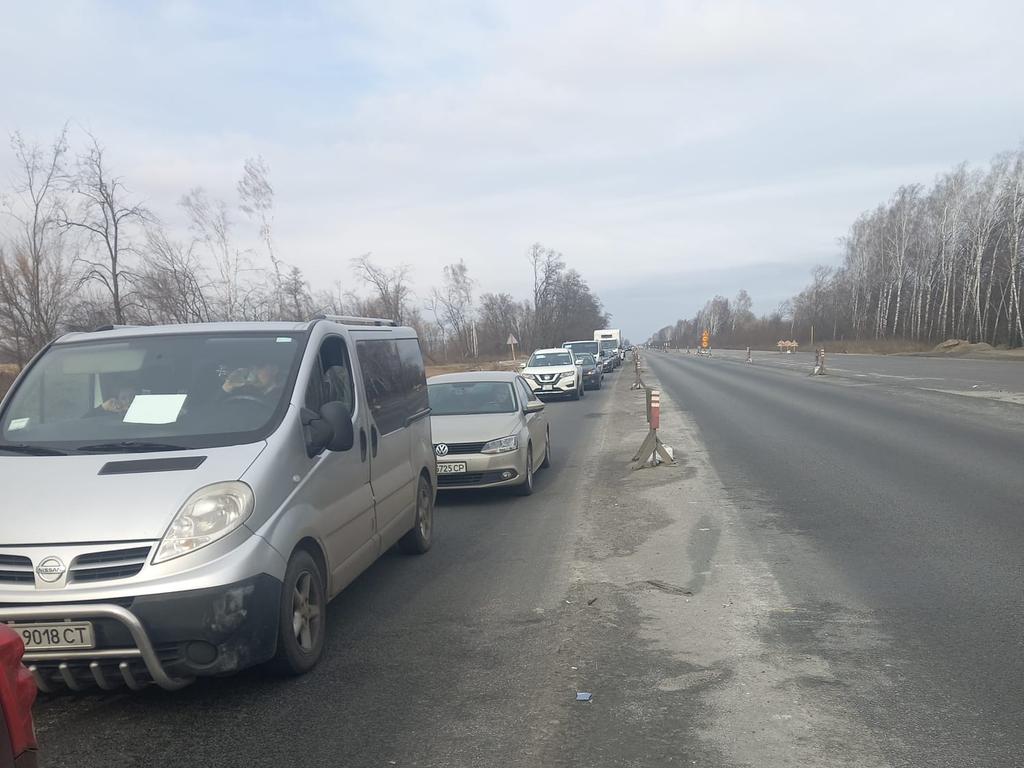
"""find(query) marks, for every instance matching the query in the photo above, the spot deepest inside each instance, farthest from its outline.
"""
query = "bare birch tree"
(108, 218)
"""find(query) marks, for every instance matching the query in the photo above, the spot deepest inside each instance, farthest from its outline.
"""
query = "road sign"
(512, 340)
(705, 339)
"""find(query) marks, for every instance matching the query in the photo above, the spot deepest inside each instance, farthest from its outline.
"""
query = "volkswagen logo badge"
(51, 569)
(441, 449)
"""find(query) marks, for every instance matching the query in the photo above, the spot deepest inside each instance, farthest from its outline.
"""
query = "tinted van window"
(414, 376)
(395, 380)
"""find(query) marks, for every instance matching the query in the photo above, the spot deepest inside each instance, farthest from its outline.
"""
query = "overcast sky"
(671, 150)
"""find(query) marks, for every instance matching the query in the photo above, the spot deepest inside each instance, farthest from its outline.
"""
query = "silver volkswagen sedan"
(489, 430)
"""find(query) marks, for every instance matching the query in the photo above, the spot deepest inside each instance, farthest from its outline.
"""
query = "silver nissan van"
(182, 501)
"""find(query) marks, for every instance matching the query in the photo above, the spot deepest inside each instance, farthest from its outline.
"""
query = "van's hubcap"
(425, 514)
(306, 611)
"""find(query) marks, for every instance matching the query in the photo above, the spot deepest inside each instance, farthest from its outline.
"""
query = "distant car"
(607, 361)
(554, 372)
(582, 346)
(489, 430)
(611, 348)
(17, 694)
(593, 372)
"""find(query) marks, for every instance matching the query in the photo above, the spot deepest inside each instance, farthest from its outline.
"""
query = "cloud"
(641, 139)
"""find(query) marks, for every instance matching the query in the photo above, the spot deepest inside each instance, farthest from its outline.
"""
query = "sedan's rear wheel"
(547, 450)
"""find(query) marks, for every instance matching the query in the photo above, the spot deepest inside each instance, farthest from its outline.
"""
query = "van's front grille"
(16, 569)
(112, 564)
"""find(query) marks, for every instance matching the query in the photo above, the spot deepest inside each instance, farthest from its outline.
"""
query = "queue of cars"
(220, 483)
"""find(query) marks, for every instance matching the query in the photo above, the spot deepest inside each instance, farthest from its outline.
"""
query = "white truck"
(610, 338)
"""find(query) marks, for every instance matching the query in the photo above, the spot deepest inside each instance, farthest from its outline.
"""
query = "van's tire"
(547, 450)
(302, 620)
(525, 488)
(419, 538)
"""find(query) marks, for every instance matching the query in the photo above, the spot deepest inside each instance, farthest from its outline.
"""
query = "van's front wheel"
(302, 620)
(418, 540)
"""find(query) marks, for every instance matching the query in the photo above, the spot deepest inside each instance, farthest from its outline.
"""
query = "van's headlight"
(211, 513)
(501, 445)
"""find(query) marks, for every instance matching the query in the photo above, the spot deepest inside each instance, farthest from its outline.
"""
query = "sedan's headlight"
(501, 445)
(210, 514)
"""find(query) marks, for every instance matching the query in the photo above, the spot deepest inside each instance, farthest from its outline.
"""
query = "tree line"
(79, 250)
(931, 263)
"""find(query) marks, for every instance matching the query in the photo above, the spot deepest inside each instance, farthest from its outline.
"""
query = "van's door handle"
(373, 442)
(362, 444)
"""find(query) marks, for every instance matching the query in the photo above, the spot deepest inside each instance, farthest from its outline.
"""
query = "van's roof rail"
(108, 327)
(354, 320)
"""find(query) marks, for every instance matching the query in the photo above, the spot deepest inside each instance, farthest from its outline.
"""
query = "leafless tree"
(391, 286)
(256, 200)
(36, 280)
(107, 217)
(172, 284)
(211, 227)
(452, 306)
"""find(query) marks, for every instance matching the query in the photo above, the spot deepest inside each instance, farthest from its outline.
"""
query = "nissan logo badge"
(50, 569)
(441, 449)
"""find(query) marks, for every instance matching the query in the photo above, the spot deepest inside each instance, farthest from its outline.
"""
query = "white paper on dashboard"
(154, 409)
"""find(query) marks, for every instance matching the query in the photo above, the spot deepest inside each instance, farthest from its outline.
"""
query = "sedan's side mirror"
(534, 406)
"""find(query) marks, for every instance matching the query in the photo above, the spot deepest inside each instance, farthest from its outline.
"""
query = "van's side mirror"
(338, 416)
(331, 428)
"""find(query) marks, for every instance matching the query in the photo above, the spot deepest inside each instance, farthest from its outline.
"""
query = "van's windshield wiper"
(31, 450)
(130, 446)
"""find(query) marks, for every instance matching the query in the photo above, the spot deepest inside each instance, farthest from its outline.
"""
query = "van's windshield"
(194, 390)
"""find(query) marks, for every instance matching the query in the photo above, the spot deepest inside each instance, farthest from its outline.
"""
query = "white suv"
(552, 372)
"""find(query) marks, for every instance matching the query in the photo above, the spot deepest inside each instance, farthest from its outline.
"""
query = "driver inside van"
(119, 403)
(263, 381)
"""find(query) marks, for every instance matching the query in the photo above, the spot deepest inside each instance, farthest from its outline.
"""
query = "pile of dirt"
(961, 347)
(979, 351)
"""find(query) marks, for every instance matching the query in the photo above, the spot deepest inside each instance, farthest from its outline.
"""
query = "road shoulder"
(676, 625)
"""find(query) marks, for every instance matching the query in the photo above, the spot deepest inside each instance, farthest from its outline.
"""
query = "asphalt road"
(832, 574)
(443, 659)
(991, 378)
(892, 517)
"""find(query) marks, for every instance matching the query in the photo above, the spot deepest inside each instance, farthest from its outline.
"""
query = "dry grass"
(7, 374)
(878, 346)
(474, 365)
